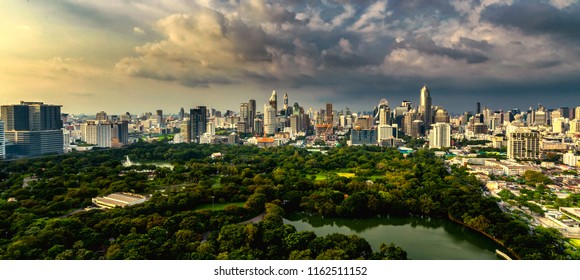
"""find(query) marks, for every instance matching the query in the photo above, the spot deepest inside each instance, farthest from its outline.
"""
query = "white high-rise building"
(440, 136)
(269, 119)
(559, 125)
(425, 107)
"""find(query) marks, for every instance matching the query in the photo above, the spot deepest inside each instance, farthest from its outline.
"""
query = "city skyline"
(140, 56)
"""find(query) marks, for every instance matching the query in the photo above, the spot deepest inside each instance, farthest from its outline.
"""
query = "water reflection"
(422, 237)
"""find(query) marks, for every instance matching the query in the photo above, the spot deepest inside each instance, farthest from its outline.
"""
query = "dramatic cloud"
(326, 49)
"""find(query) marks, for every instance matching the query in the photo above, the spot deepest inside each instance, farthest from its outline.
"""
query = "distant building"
(118, 200)
(440, 136)
(198, 123)
(2, 141)
(363, 137)
(524, 145)
(425, 107)
(33, 129)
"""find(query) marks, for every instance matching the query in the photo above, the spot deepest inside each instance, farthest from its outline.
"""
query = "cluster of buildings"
(33, 128)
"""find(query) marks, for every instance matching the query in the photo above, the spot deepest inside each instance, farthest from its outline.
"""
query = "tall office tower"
(383, 112)
(35, 129)
(181, 114)
(441, 116)
(245, 113)
(574, 126)
(286, 113)
(508, 116)
(258, 126)
(564, 112)
(251, 114)
(540, 117)
(425, 106)
(417, 128)
(329, 118)
(2, 142)
(126, 117)
(524, 145)
(198, 122)
(400, 112)
(159, 118)
(409, 118)
(486, 114)
(101, 116)
(16, 117)
(478, 109)
(185, 128)
(269, 119)
(577, 113)
(119, 133)
(274, 101)
(440, 136)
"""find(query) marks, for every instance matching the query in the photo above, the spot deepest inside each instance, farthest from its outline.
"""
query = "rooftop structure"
(118, 200)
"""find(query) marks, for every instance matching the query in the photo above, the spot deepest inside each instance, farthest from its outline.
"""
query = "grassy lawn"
(320, 177)
(575, 242)
(346, 175)
(218, 206)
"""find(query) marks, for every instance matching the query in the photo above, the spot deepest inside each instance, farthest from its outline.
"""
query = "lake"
(422, 238)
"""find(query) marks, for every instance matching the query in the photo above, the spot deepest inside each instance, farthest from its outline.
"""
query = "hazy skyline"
(143, 55)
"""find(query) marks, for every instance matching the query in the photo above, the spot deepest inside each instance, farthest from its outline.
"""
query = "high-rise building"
(574, 126)
(524, 145)
(159, 118)
(2, 142)
(386, 132)
(269, 119)
(329, 118)
(198, 122)
(34, 128)
(181, 114)
(273, 102)
(251, 114)
(478, 108)
(441, 116)
(440, 136)
(383, 112)
(559, 125)
(577, 113)
(409, 118)
(286, 113)
(245, 112)
(101, 116)
(425, 106)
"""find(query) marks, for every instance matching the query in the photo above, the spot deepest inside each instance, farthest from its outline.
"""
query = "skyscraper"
(251, 114)
(329, 119)
(425, 106)
(286, 113)
(101, 116)
(35, 128)
(198, 122)
(2, 141)
(274, 101)
(269, 119)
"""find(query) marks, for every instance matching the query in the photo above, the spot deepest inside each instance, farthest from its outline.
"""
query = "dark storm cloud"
(537, 18)
(426, 45)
